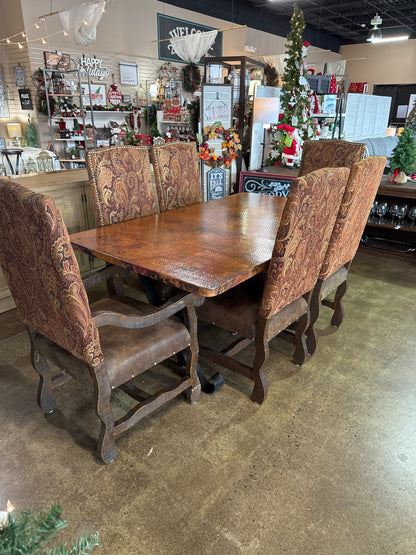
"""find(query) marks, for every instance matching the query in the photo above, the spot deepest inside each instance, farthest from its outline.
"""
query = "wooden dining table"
(204, 249)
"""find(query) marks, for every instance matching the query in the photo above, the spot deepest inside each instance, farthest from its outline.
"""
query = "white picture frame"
(98, 94)
(129, 74)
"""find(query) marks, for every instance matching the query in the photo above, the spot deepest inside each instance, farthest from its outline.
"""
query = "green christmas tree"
(29, 533)
(31, 135)
(404, 154)
(411, 120)
(295, 94)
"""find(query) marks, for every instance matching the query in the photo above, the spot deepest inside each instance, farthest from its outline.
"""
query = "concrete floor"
(326, 466)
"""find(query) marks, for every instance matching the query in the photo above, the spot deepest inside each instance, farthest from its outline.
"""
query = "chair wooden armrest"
(127, 311)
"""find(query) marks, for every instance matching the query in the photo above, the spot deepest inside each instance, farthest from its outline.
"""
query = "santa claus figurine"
(292, 142)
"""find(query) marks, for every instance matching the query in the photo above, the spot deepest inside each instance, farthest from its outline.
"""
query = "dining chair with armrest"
(177, 176)
(110, 342)
(257, 309)
(329, 153)
(362, 185)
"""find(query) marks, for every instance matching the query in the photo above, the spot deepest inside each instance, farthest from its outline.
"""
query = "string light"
(19, 45)
(43, 41)
(36, 26)
(65, 33)
(8, 41)
(85, 22)
(23, 34)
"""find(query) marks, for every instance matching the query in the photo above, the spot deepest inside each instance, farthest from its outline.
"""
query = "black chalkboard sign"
(216, 179)
(265, 183)
(25, 99)
(171, 27)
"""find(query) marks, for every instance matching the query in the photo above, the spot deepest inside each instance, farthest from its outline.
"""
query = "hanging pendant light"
(375, 33)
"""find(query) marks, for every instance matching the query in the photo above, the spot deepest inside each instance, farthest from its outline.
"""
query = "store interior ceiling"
(350, 19)
(329, 23)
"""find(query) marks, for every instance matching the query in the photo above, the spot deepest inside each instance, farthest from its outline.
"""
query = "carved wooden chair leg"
(45, 398)
(301, 349)
(338, 315)
(192, 393)
(314, 310)
(260, 389)
(106, 446)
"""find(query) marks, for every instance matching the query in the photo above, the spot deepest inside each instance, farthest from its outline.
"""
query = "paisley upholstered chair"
(121, 183)
(329, 153)
(122, 187)
(359, 194)
(177, 175)
(258, 309)
(110, 342)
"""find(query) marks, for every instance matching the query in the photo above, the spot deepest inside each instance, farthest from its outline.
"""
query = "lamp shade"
(14, 130)
(266, 110)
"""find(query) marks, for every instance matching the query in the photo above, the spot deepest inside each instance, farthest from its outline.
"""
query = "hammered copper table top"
(204, 249)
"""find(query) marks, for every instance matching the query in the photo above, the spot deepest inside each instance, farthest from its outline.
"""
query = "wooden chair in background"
(258, 310)
(329, 153)
(110, 342)
(362, 185)
(177, 175)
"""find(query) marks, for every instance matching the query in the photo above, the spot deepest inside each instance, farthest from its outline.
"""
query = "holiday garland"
(230, 145)
(191, 77)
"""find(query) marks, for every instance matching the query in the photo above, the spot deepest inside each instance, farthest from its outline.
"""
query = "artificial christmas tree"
(28, 533)
(403, 159)
(411, 120)
(31, 135)
(295, 95)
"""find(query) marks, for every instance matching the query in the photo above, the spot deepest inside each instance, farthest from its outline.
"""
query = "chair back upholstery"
(302, 238)
(42, 272)
(121, 183)
(177, 176)
(362, 185)
(329, 153)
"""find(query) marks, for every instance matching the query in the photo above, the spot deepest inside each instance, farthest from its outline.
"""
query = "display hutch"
(243, 64)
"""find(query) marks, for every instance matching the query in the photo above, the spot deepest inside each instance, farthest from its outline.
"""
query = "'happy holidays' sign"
(93, 66)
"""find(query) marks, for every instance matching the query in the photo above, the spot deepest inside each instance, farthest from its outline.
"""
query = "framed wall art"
(4, 107)
(20, 76)
(57, 60)
(217, 105)
(25, 99)
(129, 74)
(173, 28)
(98, 94)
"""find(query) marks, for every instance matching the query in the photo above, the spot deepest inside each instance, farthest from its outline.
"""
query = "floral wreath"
(230, 145)
(191, 77)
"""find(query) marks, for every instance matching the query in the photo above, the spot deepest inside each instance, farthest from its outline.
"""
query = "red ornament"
(114, 95)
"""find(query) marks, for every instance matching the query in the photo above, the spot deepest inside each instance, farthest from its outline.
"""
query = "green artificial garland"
(191, 77)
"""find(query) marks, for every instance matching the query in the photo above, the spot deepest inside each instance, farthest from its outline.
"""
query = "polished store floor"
(327, 466)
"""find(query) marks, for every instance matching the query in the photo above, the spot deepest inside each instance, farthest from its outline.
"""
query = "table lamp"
(14, 131)
(265, 111)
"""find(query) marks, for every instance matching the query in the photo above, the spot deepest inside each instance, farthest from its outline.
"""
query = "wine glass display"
(412, 215)
(401, 213)
(393, 212)
(373, 211)
(381, 211)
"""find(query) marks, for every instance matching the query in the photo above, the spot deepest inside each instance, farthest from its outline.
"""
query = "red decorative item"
(317, 106)
(333, 85)
(114, 95)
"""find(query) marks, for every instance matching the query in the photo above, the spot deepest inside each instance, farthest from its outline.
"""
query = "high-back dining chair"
(121, 183)
(110, 342)
(177, 175)
(362, 185)
(258, 310)
(329, 153)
